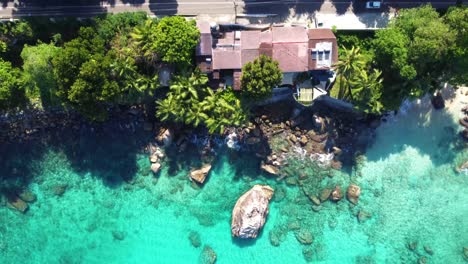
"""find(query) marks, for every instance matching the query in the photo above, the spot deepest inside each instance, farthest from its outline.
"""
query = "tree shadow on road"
(372, 18)
(340, 6)
(283, 12)
(163, 7)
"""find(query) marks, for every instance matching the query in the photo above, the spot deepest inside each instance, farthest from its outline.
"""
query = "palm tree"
(350, 63)
(367, 90)
(144, 37)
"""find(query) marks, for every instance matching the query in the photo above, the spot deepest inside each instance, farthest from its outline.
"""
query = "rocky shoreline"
(276, 133)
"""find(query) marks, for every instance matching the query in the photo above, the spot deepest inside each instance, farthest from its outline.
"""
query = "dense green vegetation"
(418, 52)
(111, 60)
(259, 77)
(192, 102)
(116, 60)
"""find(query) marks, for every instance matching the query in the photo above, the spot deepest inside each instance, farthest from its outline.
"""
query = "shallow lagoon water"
(408, 183)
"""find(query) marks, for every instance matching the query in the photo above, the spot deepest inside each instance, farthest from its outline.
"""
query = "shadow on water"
(432, 132)
(247, 242)
(17, 165)
(108, 151)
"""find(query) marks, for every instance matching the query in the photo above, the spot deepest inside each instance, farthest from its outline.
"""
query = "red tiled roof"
(320, 33)
(289, 34)
(204, 46)
(292, 57)
(225, 59)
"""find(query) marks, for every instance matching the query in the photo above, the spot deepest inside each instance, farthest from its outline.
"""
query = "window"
(314, 54)
(327, 55)
(320, 55)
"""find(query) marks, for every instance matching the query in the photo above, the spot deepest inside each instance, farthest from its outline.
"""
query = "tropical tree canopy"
(191, 102)
(38, 71)
(260, 77)
(170, 40)
(414, 54)
(12, 86)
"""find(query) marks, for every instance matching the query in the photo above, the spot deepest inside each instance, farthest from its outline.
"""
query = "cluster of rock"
(21, 200)
(200, 175)
(250, 211)
(37, 123)
(423, 255)
(280, 130)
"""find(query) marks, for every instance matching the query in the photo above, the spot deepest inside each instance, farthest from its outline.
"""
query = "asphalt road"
(24, 8)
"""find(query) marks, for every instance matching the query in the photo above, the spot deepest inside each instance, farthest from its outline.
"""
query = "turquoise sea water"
(409, 187)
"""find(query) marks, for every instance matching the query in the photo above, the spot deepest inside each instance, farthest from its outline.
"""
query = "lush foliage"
(12, 86)
(190, 101)
(358, 82)
(260, 77)
(37, 67)
(171, 40)
(415, 54)
(102, 67)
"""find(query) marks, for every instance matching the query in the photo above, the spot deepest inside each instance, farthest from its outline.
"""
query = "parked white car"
(373, 4)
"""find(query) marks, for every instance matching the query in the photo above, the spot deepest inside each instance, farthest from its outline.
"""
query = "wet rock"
(274, 238)
(422, 260)
(293, 138)
(118, 235)
(280, 194)
(27, 196)
(208, 256)
(353, 193)
(316, 208)
(363, 216)
(155, 167)
(16, 203)
(314, 199)
(200, 174)
(438, 101)
(304, 237)
(336, 194)
(270, 169)
(59, 189)
(462, 167)
(325, 194)
(154, 158)
(413, 245)
(159, 153)
(253, 140)
(335, 164)
(428, 250)
(463, 121)
(165, 137)
(291, 181)
(337, 151)
(194, 238)
(304, 140)
(464, 134)
(250, 211)
(294, 225)
(308, 254)
(319, 138)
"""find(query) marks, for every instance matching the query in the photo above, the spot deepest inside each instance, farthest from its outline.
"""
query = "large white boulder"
(250, 212)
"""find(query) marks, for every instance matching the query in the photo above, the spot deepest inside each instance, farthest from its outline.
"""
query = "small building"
(224, 49)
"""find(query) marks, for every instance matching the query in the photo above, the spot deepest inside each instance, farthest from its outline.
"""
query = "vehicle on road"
(373, 4)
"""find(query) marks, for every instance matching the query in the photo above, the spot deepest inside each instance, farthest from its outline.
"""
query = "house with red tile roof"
(224, 49)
